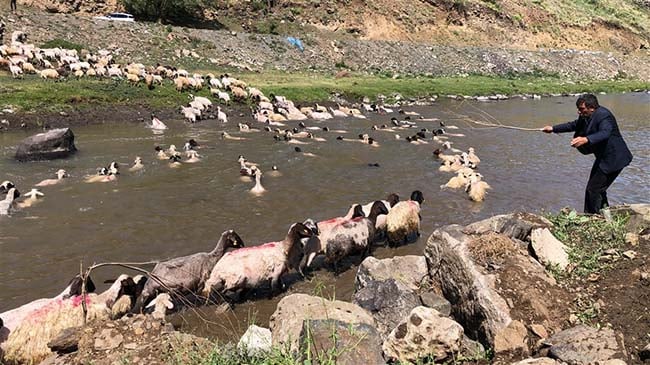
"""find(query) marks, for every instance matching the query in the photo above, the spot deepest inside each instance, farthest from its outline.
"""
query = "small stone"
(138, 331)
(629, 254)
(632, 239)
(611, 252)
(110, 324)
(573, 319)
(131, 346)
(593, 277)
(539, 330)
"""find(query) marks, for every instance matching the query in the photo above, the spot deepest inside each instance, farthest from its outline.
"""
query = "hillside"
(607, 25)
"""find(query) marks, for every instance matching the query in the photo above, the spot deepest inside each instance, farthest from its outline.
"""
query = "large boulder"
(330, 341)
(389, 301)
(286, 322)
(53, 144)
(485, 271)
(424, 333)
(409, 270)
(548, 249)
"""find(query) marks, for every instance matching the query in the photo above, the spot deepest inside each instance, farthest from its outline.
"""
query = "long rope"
(496, 123)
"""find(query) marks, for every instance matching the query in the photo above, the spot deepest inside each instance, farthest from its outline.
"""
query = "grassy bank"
(33, 94)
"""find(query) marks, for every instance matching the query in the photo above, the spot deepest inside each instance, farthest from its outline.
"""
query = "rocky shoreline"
(479, 294)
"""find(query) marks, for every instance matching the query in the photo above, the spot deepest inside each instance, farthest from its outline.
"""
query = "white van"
(124, 17)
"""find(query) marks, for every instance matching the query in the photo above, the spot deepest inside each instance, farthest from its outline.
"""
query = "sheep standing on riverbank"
(186, 275)
(250, 267)
(403, 220)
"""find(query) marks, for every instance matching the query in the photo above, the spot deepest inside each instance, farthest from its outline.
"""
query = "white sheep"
(32, 198)
(27, 343)
(258, 189)
(250, 267)
(60, 174)
(7, 205)
(403, 220)
(221, 116)
(137, 164)
(476, 188)
(192, 157)
(16, 71)
(472, 157)
(160, 306)
(458, 181)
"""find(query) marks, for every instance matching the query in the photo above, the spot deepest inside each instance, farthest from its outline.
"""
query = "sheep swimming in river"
(60, 174)
(32, 198)
(137, 164)
(476, 188)
(7, 205)
(250, 267)
(186, 275)
(258, 189)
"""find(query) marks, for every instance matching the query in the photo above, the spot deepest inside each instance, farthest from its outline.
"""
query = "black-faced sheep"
(186, 275)
(342, 237)
(403, 220)
(250, 267)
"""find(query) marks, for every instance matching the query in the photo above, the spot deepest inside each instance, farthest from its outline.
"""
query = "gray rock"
(548, 249)
(388, 301)
(409, 270)
(287, 321)
(435, 301)
(330, 341)
(53, 144)
(424, 333)
(67, 341)
(516, 225)
(471, 349)
(475, 302)
(256, 341)
(537, 361)
(585, 345)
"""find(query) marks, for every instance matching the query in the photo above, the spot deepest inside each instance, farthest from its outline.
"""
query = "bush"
(163, 10)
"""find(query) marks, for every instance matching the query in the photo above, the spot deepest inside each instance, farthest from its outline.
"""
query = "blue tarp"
(296, 42)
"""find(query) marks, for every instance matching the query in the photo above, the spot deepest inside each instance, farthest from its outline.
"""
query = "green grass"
(35, 94)
(587, 238)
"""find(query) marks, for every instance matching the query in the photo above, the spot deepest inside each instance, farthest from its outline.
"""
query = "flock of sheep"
(230, 270)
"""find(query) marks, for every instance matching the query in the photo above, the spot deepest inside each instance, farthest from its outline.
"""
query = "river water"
(162, 212)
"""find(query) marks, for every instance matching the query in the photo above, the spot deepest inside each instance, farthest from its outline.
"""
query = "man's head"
(587, 104)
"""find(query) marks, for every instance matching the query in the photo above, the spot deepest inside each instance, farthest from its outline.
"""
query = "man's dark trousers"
(596, 192)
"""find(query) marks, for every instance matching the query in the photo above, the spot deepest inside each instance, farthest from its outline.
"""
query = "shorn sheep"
(403, 220)
(186, 275)
(347, 238)
(27, 343)
(250, 267)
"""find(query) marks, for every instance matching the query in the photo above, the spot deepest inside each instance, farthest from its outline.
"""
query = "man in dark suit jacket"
(596, 131)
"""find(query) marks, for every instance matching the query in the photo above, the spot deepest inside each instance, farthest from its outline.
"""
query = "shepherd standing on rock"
(596, 131)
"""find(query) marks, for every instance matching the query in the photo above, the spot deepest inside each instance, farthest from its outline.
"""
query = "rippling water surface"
(162, 212)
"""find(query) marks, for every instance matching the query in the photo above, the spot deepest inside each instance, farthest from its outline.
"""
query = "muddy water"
(162, 212)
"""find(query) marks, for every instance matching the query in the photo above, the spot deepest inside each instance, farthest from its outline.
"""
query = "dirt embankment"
(324, 50)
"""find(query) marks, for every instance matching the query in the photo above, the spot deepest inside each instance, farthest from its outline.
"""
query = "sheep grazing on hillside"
(186, 275)
(60, 174)
(403, 220)
(250, 267)
(476, 188)
(27, 343)
(49, 73)
(32, 198)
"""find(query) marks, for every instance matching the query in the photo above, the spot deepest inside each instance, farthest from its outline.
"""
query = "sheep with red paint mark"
(251, 267)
